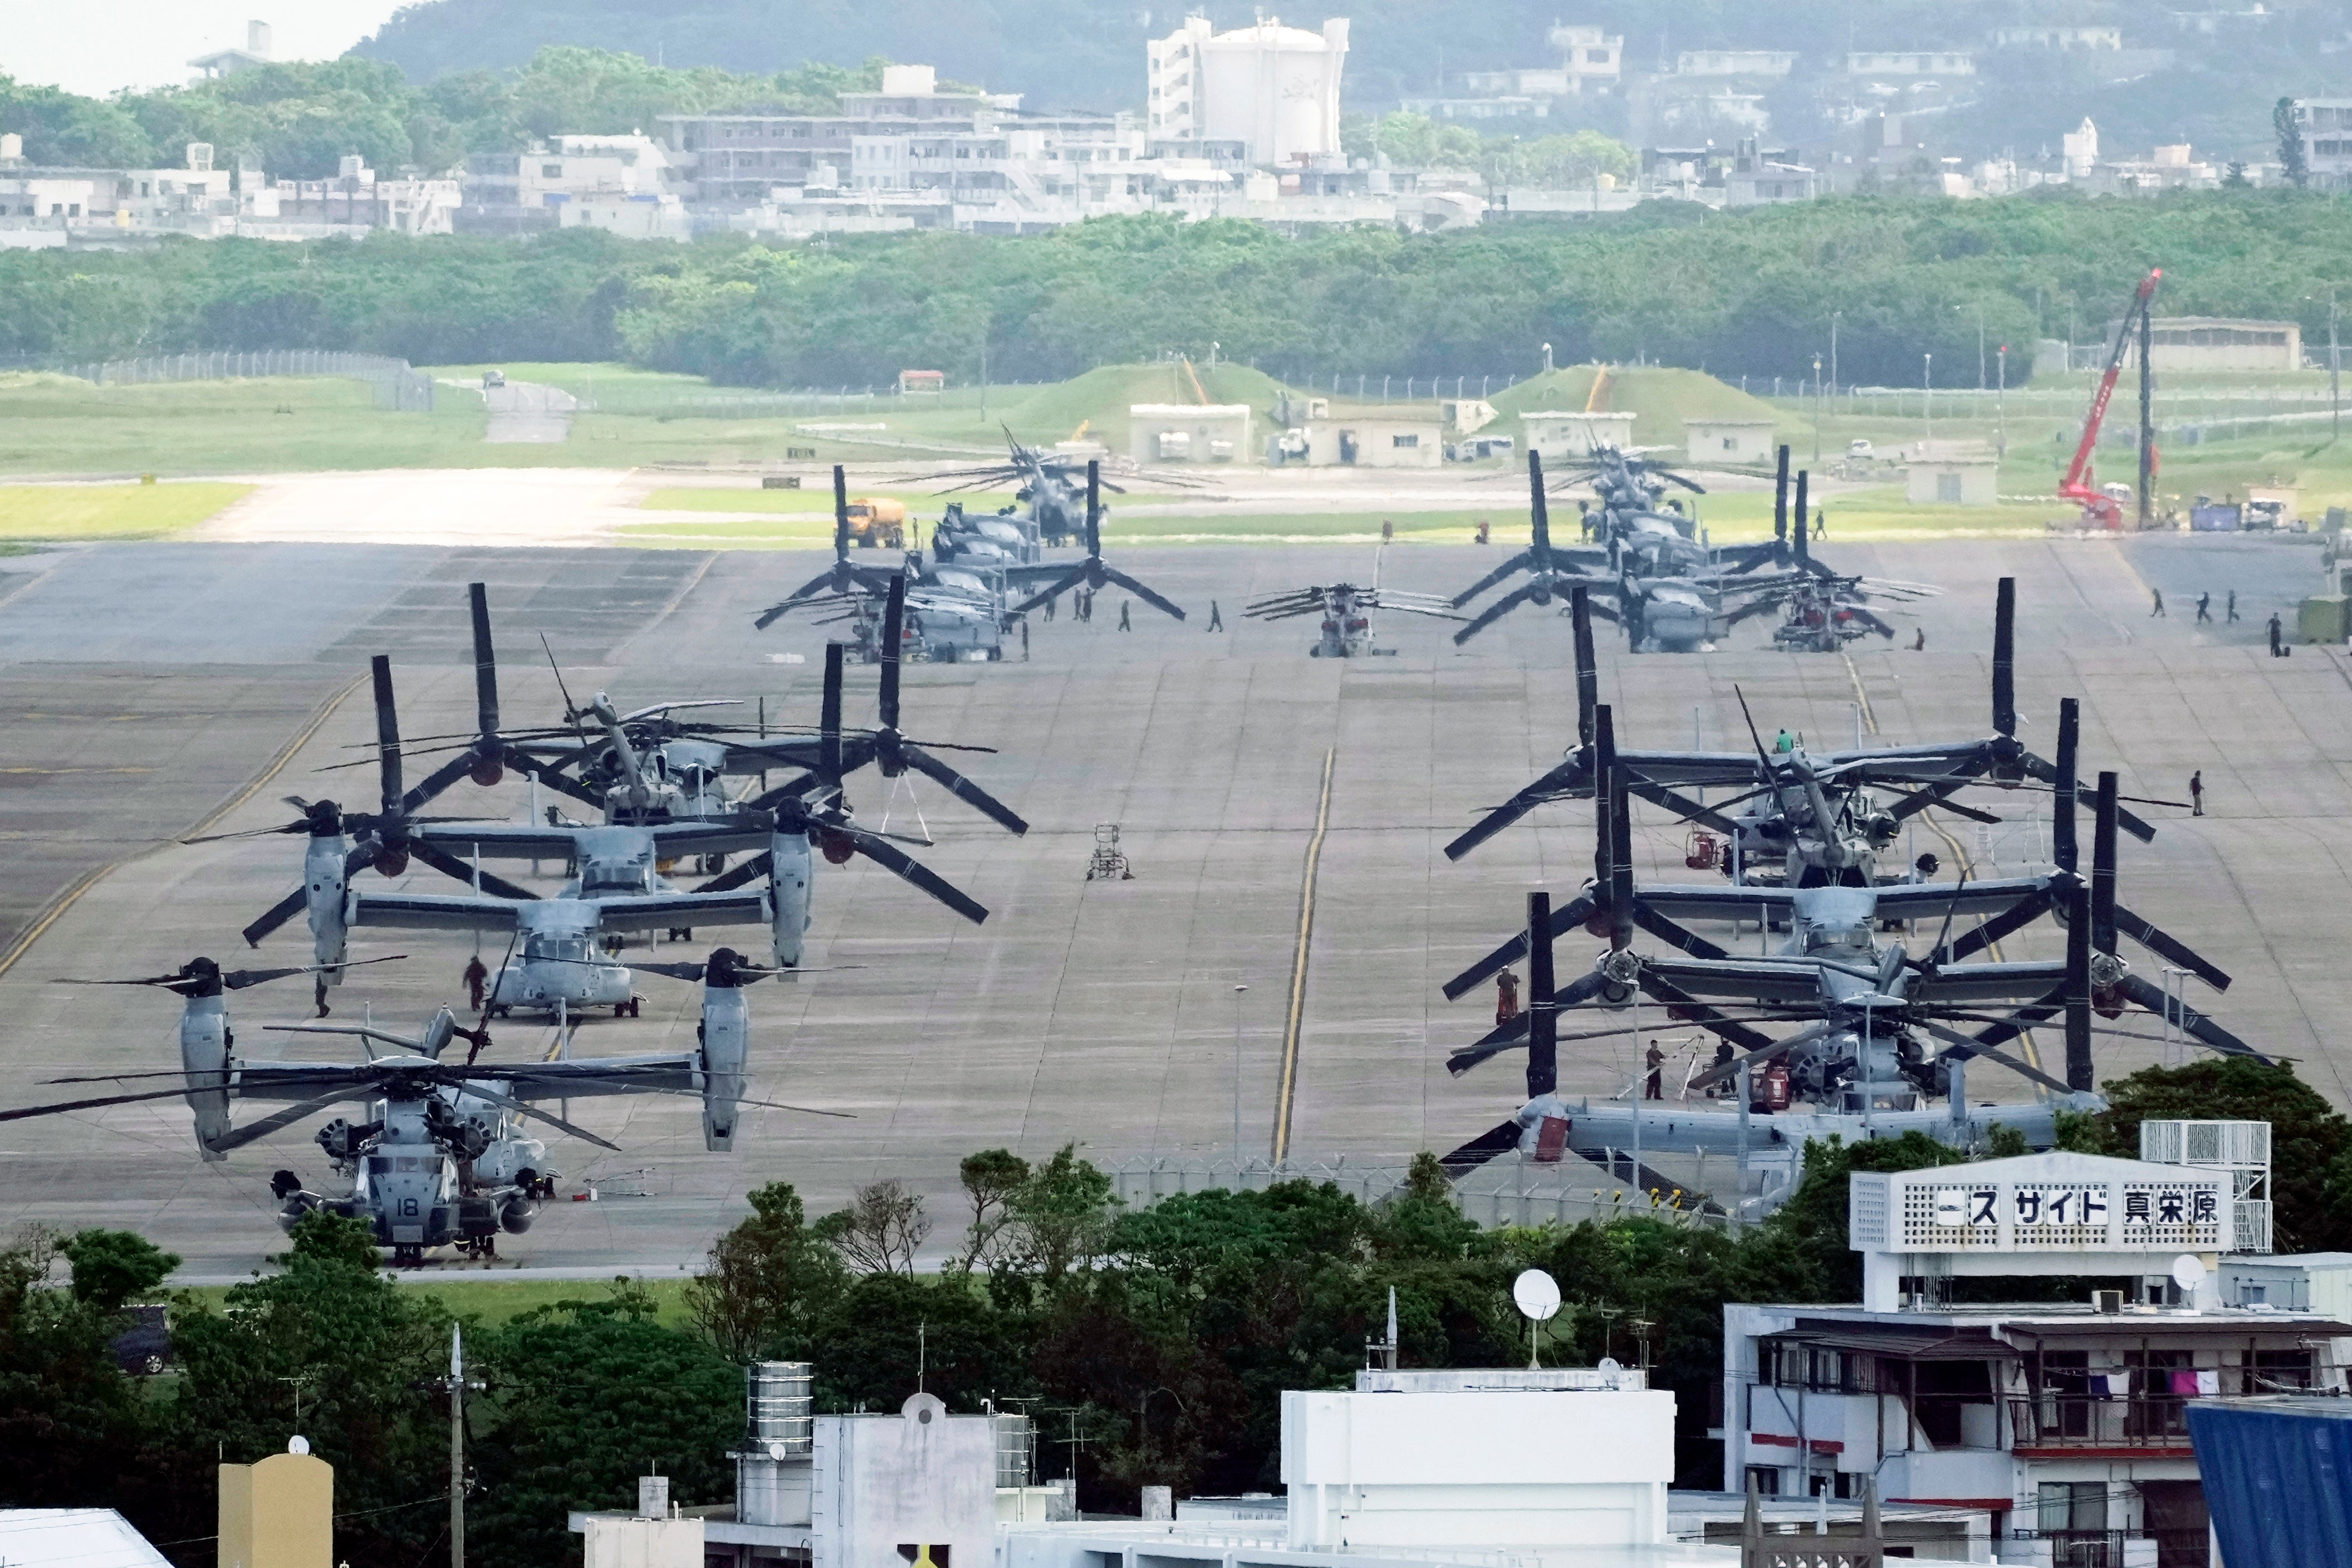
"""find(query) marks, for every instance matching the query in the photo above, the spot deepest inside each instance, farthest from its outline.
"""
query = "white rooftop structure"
(73, 1538)
(1276, 89)
(2058, 1213)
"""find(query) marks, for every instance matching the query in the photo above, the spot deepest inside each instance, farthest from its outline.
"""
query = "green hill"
(1098, 400)
(1659, 399)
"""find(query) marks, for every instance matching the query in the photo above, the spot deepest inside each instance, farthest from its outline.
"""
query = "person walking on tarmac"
(1507, 997)
(1024, 639)
(2197, 792)
(1124, 625)
(2232, 612)
(2278, 645)
(2158, 611)
(476, 978)
(1654, 1085)
(2204, 609)
(1216, 617)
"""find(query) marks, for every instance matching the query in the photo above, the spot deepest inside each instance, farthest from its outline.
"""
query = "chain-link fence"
(1513, 1190)
(399, 387)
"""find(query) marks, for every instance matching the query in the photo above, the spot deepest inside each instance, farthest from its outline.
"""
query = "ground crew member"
(1507, 997)
(2159, 604)
(1821, 523)
(2204, 609)
(1722, 1060)
(2197, 792)
(1025, 640)
(1049, 604)
(1123, 623)
(476, 976)
(1216, 617)
(2233, 605)
(2276, 645)
(1652, 1087)
(1919, 643)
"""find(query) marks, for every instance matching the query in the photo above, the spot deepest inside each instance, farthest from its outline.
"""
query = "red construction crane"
(2079, 486)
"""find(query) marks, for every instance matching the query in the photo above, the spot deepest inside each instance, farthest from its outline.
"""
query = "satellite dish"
(1608, 1363)
(1537, 1295)
(297, 1445)
(776, 1449)
(2188, 1271)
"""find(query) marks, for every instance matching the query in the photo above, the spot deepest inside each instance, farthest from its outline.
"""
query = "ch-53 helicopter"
(444, 1157)
(1871, 1014)
(1346, 611)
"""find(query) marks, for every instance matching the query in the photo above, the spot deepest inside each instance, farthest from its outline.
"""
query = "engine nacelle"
(324, 891)
(204, 1056)
(515, 1215)
(789, 900)
(726, 1043)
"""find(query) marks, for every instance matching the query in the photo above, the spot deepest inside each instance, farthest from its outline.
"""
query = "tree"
(990, 1178)
(2292, 161)
(768, 1281)
(881, 1229)
(68, 1419)
(110, 1266)
(1572, 161)
(585, 1397)
(1060, 1219)
(2311, 1142)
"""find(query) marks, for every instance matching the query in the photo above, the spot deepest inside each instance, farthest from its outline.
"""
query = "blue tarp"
(2278, 1480)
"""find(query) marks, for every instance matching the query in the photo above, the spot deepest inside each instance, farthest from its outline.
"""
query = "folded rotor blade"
(1682, 805)
(1496, 611)
(1519, 563)
(1674, 933)
(1780, 1047)
(278, 913)
(894, 621)
(1487, 1145)
(907, 867)
(739, 874)
(475, 1091)
(279, 1120)
(809, 590)
(1142, 592)
(2175, 1011)
(1573, 776)
(964, 790)
(441, 860)
(1565, 918)
(1964, 1046)
(1690, 1009)
(2170, 948)
(238, 979)
(1507, 1036)
(1993, 930)
(387, 735)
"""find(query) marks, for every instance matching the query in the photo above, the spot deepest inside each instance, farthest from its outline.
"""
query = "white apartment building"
(1591, 59)
(1919, 65)
(570, 180)
(2326, 125)
(2058, 38)
(1773, 63)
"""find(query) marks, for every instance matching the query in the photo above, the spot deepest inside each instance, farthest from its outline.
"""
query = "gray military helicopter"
(1347, 613)
(1057, 504)
(1871, 1012)
(443, 1157)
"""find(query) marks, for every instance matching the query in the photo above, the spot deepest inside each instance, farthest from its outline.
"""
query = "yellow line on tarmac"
(1289, 1092)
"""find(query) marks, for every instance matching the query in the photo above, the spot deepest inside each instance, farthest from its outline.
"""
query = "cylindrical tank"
(776, 1406)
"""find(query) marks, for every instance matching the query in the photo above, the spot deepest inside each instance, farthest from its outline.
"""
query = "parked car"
(491, 378)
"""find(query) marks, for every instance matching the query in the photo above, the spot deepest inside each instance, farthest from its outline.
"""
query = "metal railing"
(2084, 1421)
(399, 387)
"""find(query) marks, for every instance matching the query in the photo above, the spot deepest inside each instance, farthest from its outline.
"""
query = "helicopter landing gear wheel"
(407, 1256)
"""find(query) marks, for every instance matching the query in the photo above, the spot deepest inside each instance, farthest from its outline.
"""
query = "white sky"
(95, 46)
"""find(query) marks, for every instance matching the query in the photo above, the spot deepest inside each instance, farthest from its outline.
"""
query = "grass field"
(484, 1298)
(55, 512)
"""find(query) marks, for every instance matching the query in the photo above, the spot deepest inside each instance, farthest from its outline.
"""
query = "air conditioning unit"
(2107, 1303)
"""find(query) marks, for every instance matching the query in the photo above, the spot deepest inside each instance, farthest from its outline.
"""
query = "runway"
(146, 686)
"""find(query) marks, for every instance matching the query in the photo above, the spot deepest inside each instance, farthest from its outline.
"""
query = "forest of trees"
(1752, 292)
(1051, 1292)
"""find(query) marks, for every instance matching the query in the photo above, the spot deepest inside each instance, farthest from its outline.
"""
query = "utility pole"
(2000, 406)
(2335, 370)
(1833, 329)
(2146, 417)
(1928, 393)
(456, 1446)
(1816, 408)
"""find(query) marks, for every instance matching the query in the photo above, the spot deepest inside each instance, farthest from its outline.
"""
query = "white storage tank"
(1275, 89)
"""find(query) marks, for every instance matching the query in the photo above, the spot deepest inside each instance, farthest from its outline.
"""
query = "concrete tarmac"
(1099, 1013)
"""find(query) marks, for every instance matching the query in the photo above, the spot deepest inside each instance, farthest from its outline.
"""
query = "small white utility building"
(1187, 432)
(1556, 435)
(1737, 441)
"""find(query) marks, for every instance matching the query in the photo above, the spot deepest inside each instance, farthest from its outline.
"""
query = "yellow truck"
(878, 521)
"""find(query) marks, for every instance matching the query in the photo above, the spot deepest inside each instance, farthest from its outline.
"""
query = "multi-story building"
(2065, 1420)
(1272, 88)
(1592, 59)
(2326, 124)
(558, 182)
(2058, 38)
(1914, 64)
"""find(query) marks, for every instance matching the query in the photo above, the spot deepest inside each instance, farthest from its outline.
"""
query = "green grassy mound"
(1658, 397)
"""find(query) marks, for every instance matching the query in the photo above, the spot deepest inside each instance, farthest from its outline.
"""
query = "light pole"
(2000, 406)
(1980, 341)
(1928, 393)
(1238, 991)
(1816, 408)
(2335, 370)
(1833, 330)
